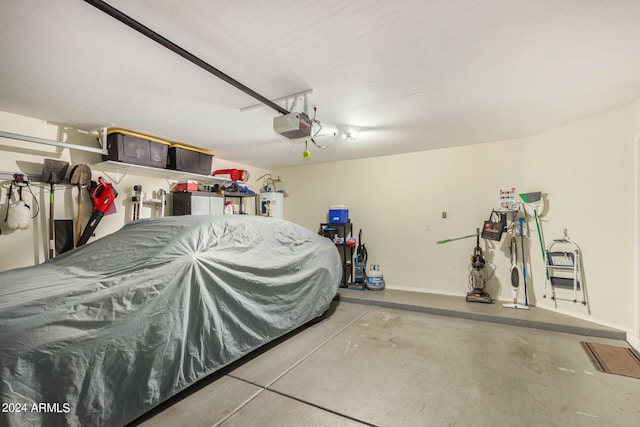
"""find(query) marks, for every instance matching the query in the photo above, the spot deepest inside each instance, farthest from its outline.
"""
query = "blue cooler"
(338, 214)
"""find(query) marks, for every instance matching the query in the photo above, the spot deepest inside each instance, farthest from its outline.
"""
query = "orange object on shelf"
(186, 186)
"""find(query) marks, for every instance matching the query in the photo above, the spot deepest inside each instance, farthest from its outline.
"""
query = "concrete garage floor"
(383, 359)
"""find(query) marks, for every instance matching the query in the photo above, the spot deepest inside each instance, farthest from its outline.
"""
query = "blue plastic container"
(338, 214)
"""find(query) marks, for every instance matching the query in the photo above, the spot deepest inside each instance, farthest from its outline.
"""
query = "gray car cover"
(101, 334)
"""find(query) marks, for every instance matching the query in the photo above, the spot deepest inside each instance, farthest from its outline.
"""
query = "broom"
(535, 200)
(456, 238)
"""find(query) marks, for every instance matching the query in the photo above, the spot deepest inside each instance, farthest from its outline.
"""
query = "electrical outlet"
(427, 227)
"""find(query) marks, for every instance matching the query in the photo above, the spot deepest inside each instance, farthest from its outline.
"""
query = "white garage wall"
(22, 248)
(636, 336)
(585, 168)
(398, 202)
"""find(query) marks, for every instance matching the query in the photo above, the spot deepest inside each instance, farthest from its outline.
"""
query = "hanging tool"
(456, 238)
(103, 195)
(524, 265)
(136, 199)
(53, 172)
(18, 216)
(79, 176)
(515, 274)
(535, 200)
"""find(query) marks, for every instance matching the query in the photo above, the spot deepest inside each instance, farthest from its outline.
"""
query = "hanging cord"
(316, 121)
(485, 273)
(36, 205)
(6, 215)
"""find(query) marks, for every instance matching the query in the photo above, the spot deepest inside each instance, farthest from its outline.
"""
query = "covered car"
(102, 334)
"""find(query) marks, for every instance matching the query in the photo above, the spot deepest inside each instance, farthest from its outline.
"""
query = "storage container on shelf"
(338, 214)
(189, 159)
(130, 147)
(185, 186)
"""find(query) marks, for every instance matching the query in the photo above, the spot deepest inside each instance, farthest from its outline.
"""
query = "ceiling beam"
(142, 29)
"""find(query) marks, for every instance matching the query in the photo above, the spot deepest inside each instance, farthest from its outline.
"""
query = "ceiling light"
(350, 134)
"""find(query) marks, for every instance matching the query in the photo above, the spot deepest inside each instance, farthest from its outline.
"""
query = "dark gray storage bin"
(130, 147)
(187, 159)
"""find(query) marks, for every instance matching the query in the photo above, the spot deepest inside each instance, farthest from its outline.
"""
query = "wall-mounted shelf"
(122, 169)
(101, 136)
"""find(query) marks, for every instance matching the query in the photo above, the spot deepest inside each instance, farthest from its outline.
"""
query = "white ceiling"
(410, 74)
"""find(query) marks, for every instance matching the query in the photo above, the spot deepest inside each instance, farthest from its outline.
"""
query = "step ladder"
(562, 258)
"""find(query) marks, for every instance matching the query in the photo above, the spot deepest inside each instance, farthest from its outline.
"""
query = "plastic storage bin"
(188, 159)
(137, 149)
(338, 214)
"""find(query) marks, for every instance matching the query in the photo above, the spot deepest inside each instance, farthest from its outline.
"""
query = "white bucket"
(374, 281)
(272, 204)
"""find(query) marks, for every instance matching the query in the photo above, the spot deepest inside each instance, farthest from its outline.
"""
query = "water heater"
(272, 204)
